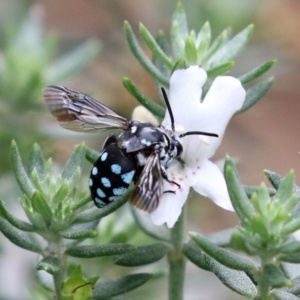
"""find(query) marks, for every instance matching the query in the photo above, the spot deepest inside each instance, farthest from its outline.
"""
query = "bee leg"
(164, 175)
(181, 161)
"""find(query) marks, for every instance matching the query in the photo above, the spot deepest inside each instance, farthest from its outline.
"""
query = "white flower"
(225, 97)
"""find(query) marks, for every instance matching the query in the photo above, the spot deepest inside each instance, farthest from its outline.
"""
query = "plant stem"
(176, 260)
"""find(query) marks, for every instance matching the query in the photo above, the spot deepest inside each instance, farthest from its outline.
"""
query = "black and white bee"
(141, 153)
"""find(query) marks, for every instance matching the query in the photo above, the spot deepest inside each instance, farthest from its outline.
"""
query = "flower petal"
(170, 205)
(225, 97)
(209, 182)
(184, 94)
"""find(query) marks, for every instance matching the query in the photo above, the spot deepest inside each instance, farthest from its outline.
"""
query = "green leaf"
(290, 247)
(220, 69)
(237, 281)
(49, 264)
(163, 44)
(223, 256)
(156, 109)
(180, 64)
(232, 48)
(78, 235)
(18, 237)
(179, 30)
(254, 189)
(276, 277)
(40, 205)
(218, 42)
(105, 289)
(74, 161)
(190, 49)
(291, 227)
(81, 202)
(255, 93)
(257, 72)
(203, 39)
(91, 155)
(22, 178)
(36, 161)
(61, 193)
(286, 187)
(99, 250)
(280, 295)
(195, 255)
(221, 238)
(238, 197)
(98, 213)
(22, 225)
(141, 56)
(143, 255)
(290, 258)
(159, 233)
(71, 63)
(154, 47)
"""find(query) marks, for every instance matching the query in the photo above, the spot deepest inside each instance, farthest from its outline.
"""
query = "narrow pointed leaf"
(83, 201)
(255, 93)
(99, 250)
(220, 69)
(290, 247)
(281, 295)
(286, 187)
(276, 277)
(195, 255)
(141, 56)
(74, 161)
(163, 44)
(98, 213)
(154, 47)
(237, 281)
(143, 255)
(204, 35)
(257, 72)
(221, 238)
(19, 224)
(40, 205)
(179, 30)
(179, 16)
(290, 258)
(22, 178)
(61, 194)
(72, 62)
(78, 235)
(105, 289)
(36, 161)
(223, 256)
(49, 264)
(237, 193)
(218, 42)
(91, 155)
(156, 109)
(190, 49)
(291, 227)
(18, 237)
(233, 47)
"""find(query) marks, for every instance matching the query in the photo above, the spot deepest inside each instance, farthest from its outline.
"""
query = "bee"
(141, 153)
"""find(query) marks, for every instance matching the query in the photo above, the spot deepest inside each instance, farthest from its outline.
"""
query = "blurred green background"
(81, 44)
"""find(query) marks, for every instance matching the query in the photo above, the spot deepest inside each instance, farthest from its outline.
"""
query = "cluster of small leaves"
(190, 48)
(266, 225)
(60, 217)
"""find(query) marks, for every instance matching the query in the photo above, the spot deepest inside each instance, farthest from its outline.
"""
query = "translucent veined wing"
(79, 112)
(149, 186)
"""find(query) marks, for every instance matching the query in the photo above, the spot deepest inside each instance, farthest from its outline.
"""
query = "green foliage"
(27, 64)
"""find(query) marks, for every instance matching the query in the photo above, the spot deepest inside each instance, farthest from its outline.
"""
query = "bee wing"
(149, 186)
(79, 112)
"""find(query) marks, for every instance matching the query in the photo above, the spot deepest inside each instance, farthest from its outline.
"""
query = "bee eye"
(179, 149)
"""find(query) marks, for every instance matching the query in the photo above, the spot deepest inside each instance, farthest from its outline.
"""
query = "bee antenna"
(198, 133)
(169, 108)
